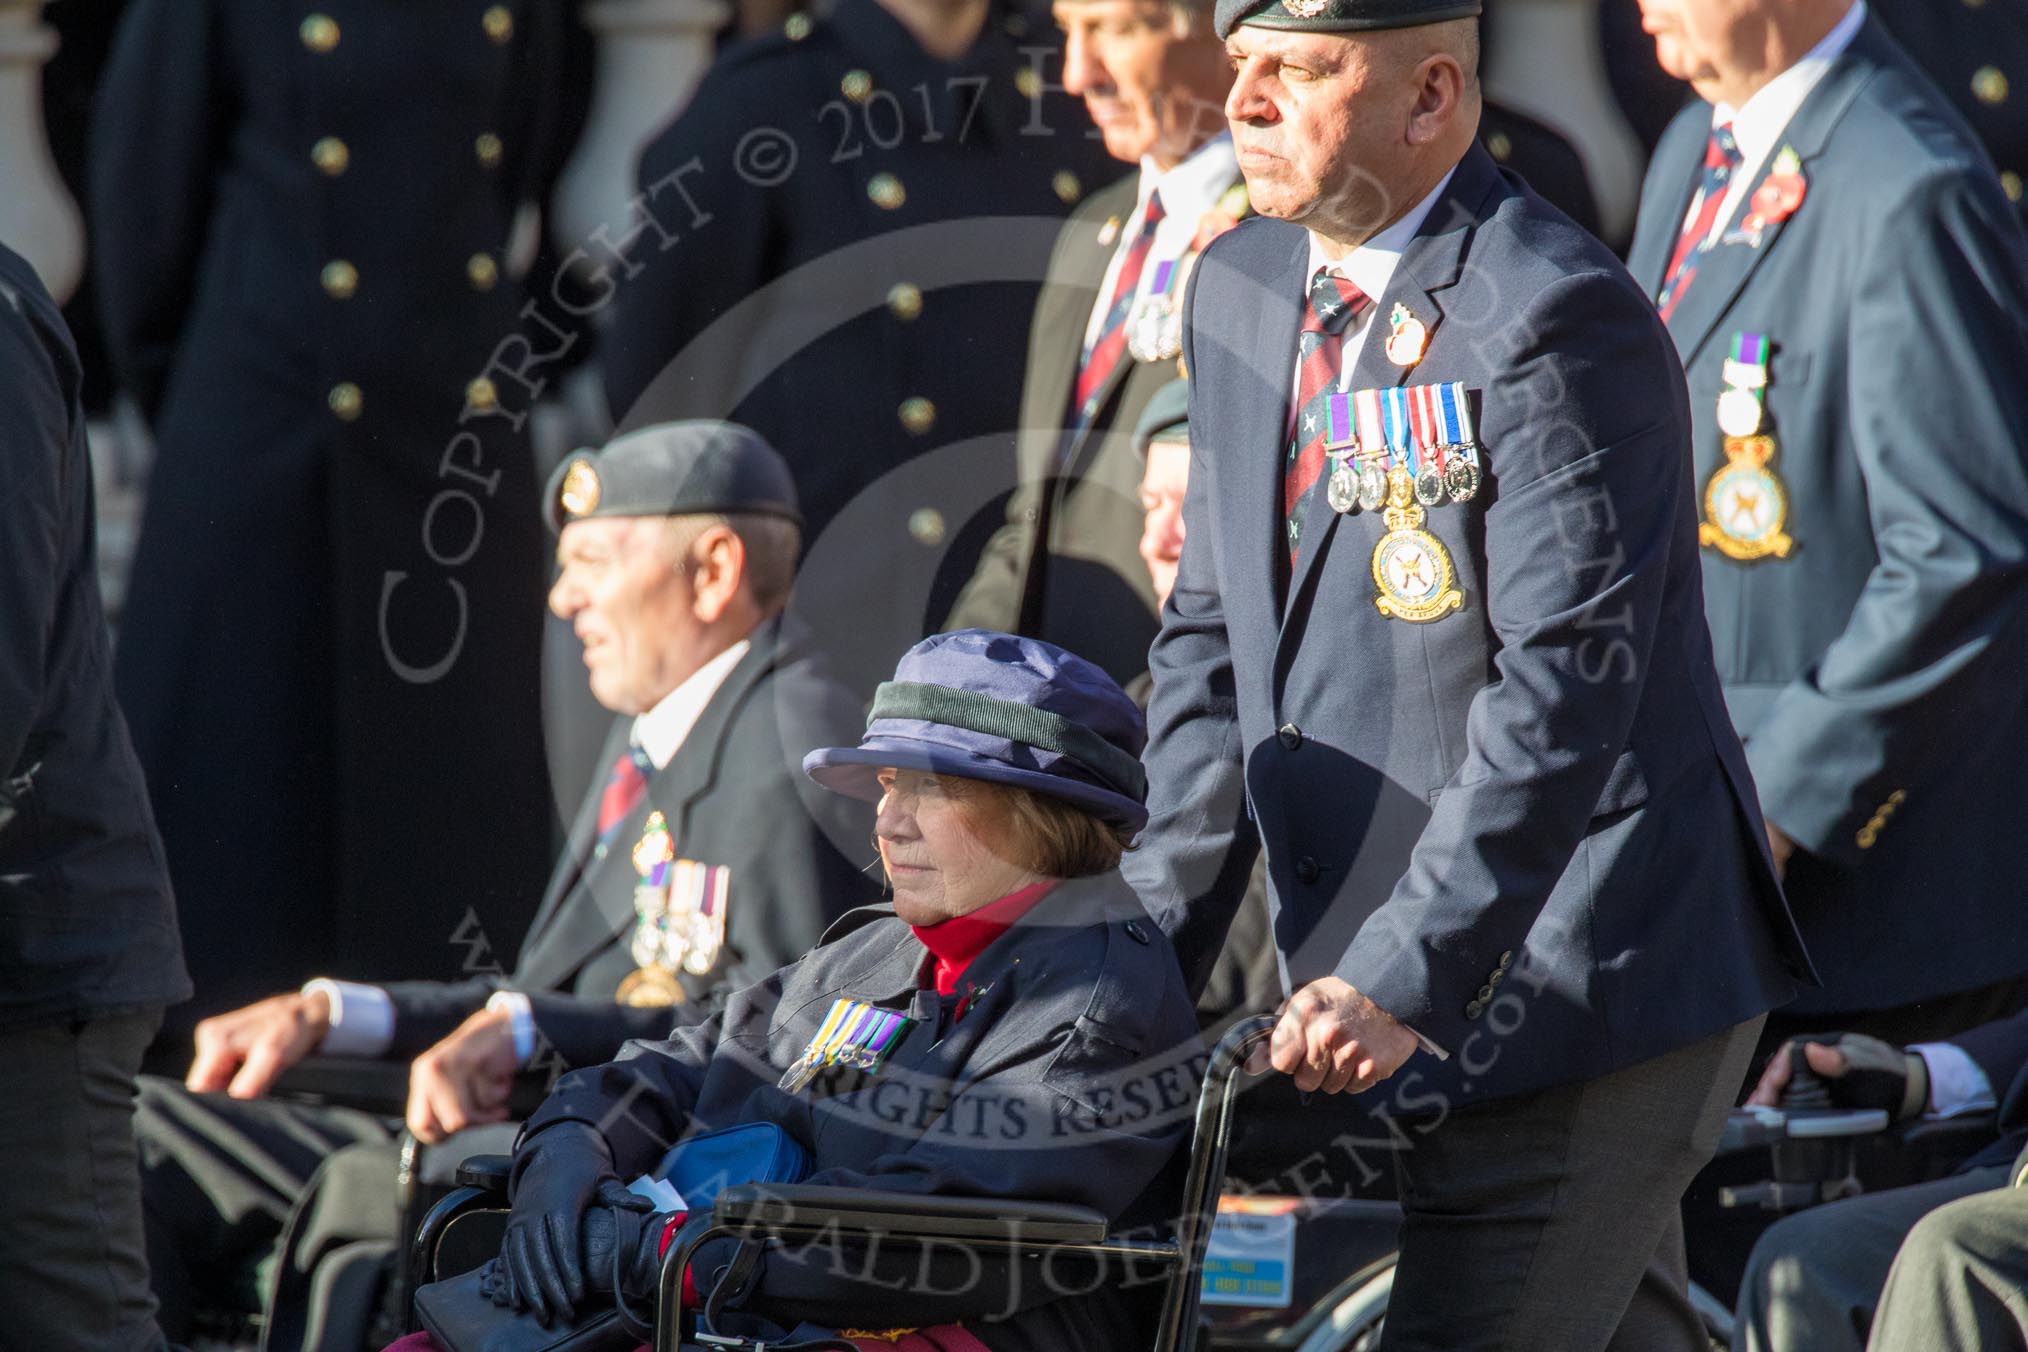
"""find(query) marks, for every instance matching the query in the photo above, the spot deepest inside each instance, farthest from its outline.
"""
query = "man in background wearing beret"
(1436, 645)
(702, 861)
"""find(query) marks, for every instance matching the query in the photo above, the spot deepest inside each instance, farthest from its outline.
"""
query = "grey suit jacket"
(1876, 672)
(735, 795)
(1066, 565)
(1525, 829)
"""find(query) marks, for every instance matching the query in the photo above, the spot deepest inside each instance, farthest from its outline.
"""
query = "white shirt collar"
(662, 730)
(1370, 267)
(1759, 122)
(1193, 187)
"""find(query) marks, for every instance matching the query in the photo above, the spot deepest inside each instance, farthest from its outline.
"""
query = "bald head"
(1344, 132)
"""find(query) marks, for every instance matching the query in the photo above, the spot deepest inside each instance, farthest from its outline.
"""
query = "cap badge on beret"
(580, 492)
(1306, 9)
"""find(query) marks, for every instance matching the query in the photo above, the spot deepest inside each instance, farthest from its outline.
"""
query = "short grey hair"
(773, 546)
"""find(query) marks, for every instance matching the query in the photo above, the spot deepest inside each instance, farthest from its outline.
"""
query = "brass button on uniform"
(319, 33)
(886, 191)
(1500, 146)
(1989, 86)
(926, 526)
(498, 21)
(904, 301)
(482, 271)
(345, 401)
(918, 415)
(798, 27)
(481, 394)
(1307, 871)
(1066, 185)
(1290, 736)
(331, 155)
(489, 150)
(2010, 183)
(1015, 26)
(340, 279)
(856, 85)
(1027, 83)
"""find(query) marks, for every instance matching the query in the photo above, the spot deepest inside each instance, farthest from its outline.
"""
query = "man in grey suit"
(1845, 282)
(1436, 645)
(1064, 567)
(703, 860)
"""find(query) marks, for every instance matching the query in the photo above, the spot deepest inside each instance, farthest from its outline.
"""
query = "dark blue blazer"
(1876, 672)
(1544, 780)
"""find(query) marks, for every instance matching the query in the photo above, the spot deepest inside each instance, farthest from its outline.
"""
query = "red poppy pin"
(1779, 194)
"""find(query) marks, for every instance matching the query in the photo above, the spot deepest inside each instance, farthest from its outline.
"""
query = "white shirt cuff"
(362, 1018)
(521, 1019)
(1956, 1084)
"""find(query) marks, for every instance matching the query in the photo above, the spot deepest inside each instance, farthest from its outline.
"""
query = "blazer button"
(1136, 933)
(331, 156)
(319, 33)
(498, 21)
(904, 301)
(886, 192)
(1290, 736)
(918, 415)
(1307, 870)
(926, 526)
(345, 401)
(482, 394)
(482, 272)
(340, 279)
(1474, 1009)
(1066, 186)
(489, 150)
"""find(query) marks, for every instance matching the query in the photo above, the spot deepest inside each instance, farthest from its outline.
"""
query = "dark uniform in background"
(878, 226)
(1865, 530)
(330, 649)
(88, 946)
(1977, 52)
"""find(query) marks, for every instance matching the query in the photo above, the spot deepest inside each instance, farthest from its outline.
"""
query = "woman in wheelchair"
(1013, 1025)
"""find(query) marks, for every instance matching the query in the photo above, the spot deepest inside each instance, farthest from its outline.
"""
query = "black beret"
(1339, 16)
(1167, 416)
(674, 469)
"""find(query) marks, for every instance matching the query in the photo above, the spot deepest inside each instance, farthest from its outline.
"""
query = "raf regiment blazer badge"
(1400, 451)
(1155, 328)
(679, 925)
(1746, 505)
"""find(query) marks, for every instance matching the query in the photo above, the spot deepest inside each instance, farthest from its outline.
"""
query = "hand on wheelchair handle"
(1858, 1071)
(558, 1175)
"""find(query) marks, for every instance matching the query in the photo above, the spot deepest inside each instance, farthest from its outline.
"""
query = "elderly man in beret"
(703, 860)
(1436, 645)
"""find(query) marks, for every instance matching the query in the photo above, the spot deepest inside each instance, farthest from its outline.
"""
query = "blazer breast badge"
(1400, 451)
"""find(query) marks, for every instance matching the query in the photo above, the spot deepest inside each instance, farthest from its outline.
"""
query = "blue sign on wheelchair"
(1249, 1260)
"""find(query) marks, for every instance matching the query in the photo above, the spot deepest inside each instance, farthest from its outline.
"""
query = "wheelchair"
(1331, 1282)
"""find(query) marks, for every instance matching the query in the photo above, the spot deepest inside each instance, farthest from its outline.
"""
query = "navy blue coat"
(87, 927)
(1876, 672)
(1066, 1074)
(1545, 779)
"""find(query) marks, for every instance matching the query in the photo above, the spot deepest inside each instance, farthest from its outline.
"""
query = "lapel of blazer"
(1057, 341)
(579, 842)
(583, 929)
(1725, 270)
(1429, 266)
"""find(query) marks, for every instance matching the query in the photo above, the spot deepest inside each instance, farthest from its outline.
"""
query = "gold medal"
(1739, 412)
(649, 987)
(1746, 506)
(1411, 567)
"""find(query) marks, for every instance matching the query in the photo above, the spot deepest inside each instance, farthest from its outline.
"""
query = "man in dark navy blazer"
(1846, 286)
(1513, 849)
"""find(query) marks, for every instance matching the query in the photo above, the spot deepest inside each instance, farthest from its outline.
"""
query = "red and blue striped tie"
(1721, 157)
(624, 787)
(1111, 344)
(1334, 302)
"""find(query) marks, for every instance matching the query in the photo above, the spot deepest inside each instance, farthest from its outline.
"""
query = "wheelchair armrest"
(749, 1207)
(487, 1173)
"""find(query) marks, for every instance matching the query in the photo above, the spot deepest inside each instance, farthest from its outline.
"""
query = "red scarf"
(956, 941)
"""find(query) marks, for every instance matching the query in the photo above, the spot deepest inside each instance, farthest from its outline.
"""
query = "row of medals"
(1371, 485)
(666, 938)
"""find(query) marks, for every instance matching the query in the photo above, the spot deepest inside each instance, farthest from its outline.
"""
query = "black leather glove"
(556, 1178)
(623, 1242)
(1876, 1075)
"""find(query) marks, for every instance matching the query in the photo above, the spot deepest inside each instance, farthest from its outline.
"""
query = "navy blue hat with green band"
(1339, 16)
(975, 704)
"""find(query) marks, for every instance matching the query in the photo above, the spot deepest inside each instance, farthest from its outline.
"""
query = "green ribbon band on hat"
(1017, 723)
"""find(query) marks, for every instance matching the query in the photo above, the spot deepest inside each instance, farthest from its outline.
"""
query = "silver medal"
(1343, 489)
(1372, 487)
(1461, 476)
(1429, 486)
